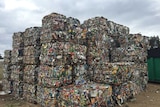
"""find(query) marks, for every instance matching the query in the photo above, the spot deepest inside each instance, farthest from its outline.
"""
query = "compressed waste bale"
(76, 95)
(29, 79)
(7, 85)
(17, 56)
(32, 51)
(17, 89)
(17, 69)
(31, 63)
(7, 57)
(31, 74)
(7, 75)
(29, 92)
(122, 93)
(64, 55)
(32, 47)
(98, 40)
(51, 52)
(17, 64)
(55, 53)
(54, 22)
(7, 53)
(32, 36)
(118, 55)
(134, 50)
(140, 75)
(7, 82)
(102, 23)
(112, 73)
(14, 77)
(45, 96)
(129, 54)
(117, 28)
(17, 73)
(7, 64)
(31, 60)
(55, 76)
(61, 75)
(18, 46)
(57, 27)
(30, 70)
(86, 95)
(18, 41)
(142, 43)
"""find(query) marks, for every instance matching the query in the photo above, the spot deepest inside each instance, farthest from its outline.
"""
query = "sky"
(141, 16)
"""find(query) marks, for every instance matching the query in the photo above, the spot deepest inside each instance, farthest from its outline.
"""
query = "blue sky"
(141, 16)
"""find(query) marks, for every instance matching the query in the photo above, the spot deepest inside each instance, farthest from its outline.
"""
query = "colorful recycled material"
(101, 23)
(7, 64)
(124, 92)
(45, 96)
(86, 95)
(6, 81)
(76, 95)
(7, 57)
(7, 85)
(29, 79)
(17, 56)
(17, 89)
(53, 22)
(30, 60)
(29, 92)
(112, 73)
(30, 70)
(60, 53)
(140, 75)
(17, 69)
(31, 63)
(7, 53)
(55, 76)
(32, 36)
(32, 51)
(18, 40)
(65, 63)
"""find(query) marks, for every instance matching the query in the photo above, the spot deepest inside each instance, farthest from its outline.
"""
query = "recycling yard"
(68, 64)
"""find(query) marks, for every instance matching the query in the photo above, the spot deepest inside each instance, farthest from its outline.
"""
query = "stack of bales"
(62, 57)
(86, 95)
(65, 63)
(31, 62)
(134, 49)
(17, 64)
(7, 87)
(138, 46)
(103, 38)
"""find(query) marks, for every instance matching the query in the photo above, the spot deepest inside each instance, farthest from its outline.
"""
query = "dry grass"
(1, 70)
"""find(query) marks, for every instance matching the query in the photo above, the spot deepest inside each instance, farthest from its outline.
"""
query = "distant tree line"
(154, 42)
(1, 56)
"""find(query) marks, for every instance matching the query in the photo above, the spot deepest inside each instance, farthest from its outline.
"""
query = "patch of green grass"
(1, 70)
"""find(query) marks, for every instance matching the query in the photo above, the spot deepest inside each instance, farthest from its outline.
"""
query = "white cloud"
(16, 4)
(141, 16)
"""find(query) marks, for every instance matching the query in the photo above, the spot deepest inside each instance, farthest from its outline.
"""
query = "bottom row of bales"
(86, 91)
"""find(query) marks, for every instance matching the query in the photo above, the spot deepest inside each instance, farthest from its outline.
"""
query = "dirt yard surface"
(149, 98)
